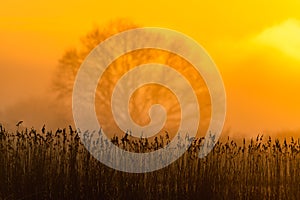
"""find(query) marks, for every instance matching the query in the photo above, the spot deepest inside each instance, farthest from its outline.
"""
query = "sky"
(255, 44)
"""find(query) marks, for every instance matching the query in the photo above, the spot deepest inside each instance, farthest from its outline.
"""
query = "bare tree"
(71, 60)
(146, 96)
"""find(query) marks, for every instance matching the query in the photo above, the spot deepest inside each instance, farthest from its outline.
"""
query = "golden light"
(150, 94)
(284, 37)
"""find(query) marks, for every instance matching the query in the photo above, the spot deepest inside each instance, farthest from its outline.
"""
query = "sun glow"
(284, 37)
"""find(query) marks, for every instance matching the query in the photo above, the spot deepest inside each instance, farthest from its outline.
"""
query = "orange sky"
(255, 44)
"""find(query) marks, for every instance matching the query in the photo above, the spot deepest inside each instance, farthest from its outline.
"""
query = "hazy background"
(256, 46)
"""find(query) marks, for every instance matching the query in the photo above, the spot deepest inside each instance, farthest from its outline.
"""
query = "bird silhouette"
(19, 123)
(43, 129)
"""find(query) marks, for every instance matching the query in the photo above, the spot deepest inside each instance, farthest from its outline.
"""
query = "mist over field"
(27, 94)
(259, 100)
(35, 112)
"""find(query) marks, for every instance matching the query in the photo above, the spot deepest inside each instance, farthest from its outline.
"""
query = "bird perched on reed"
(19, 123)
(44, 129)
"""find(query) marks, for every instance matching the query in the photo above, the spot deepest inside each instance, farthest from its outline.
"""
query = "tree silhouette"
(145, 96)
(71, 60)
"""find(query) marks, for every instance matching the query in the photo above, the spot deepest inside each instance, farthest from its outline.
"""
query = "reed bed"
(55, 165)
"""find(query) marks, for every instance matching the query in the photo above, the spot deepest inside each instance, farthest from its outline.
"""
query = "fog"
(26, 94)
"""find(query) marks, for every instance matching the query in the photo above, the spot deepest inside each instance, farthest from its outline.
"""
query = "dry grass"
(55, 165)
